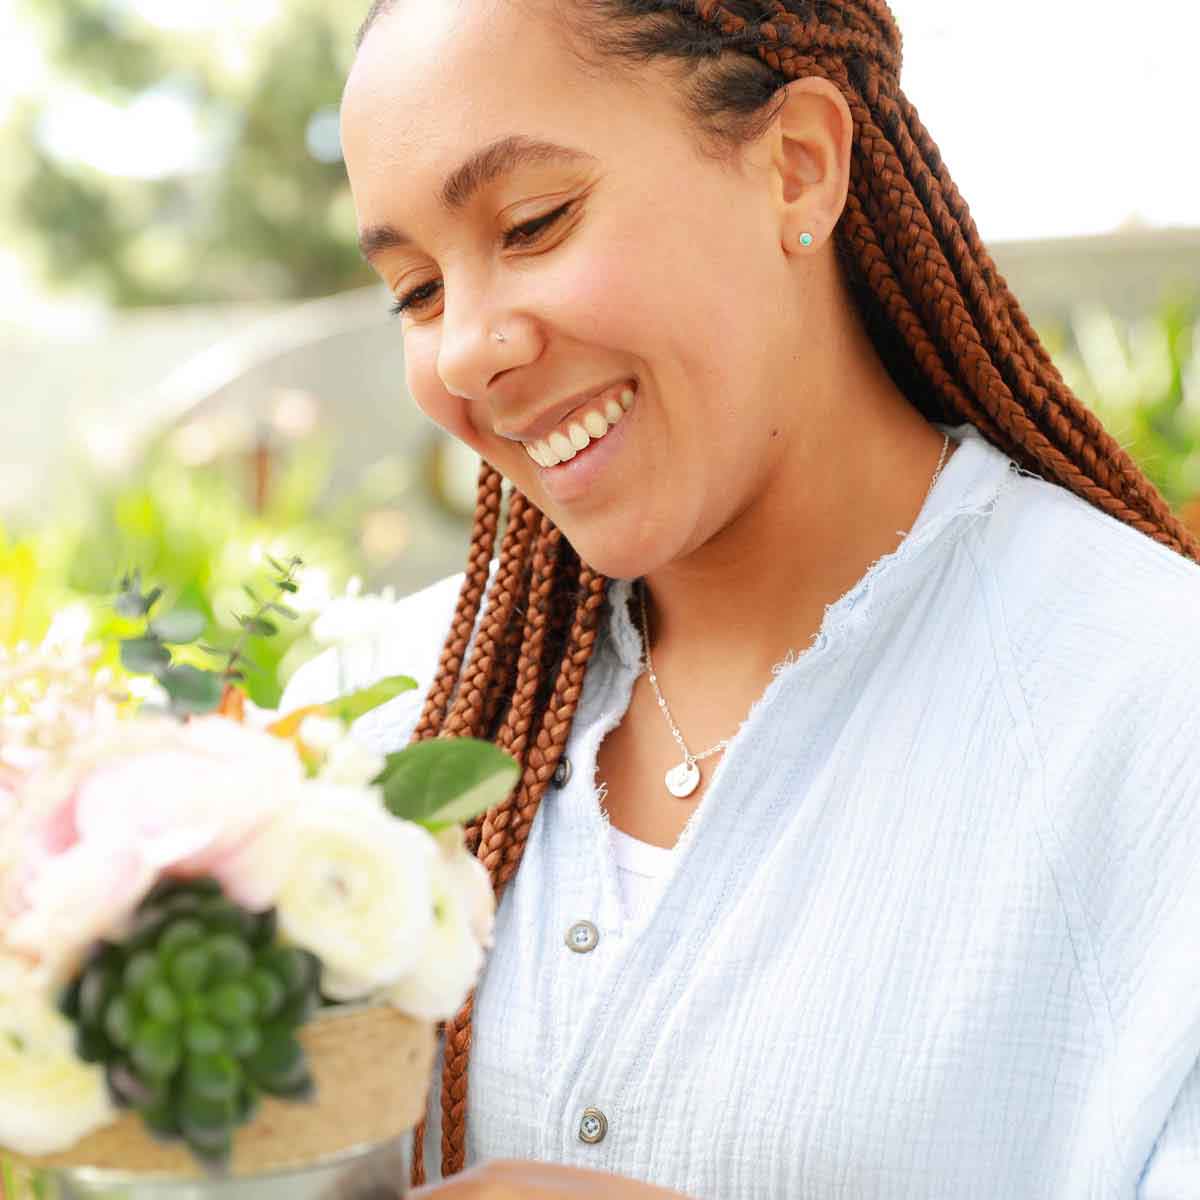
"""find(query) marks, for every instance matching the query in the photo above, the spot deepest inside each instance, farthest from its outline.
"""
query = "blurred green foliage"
(191, 531)
(265, 218)
(1142, 377)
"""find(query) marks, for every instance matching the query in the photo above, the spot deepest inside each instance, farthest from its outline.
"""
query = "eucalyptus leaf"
(144, 655)
(288, 586)
(352, 706)
(446, 780)
(192, 690)
(178, 627)
(259, 626)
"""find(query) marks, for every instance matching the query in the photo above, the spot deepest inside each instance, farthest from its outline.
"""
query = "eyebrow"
(484, 166)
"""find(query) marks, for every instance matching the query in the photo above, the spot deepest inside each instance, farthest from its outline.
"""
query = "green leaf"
(144, 655)
(282, 609)
(278, 566)
(446, 780)
(152, 597)
(350, 707)
(156, 1051)
(178, 627)
(278, 1065)
(130, 604)
(287, 585)
(192, 690)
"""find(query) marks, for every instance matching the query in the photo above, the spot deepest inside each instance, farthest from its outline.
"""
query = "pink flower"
(154, 799)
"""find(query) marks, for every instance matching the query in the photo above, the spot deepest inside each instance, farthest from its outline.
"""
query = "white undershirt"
(641, 870)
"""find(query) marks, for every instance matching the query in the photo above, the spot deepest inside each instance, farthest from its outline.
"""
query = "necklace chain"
(688, 756)
(690, 759)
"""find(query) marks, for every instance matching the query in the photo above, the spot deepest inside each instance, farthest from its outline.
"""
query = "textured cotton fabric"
(934, 929)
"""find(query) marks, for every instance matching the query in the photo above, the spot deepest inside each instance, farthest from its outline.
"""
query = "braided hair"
(939, 314)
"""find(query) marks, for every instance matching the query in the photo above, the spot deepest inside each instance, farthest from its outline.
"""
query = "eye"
(523, 234)
(517, 235)
(416, 299)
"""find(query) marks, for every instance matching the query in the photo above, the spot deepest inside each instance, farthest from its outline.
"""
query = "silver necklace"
(684, 778)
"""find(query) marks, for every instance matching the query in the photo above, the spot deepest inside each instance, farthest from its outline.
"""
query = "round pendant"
(683, 779)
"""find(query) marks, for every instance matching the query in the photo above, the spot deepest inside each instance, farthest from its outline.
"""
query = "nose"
(471, 355)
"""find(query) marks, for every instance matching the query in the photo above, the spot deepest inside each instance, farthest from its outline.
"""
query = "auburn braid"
(483, 540)
(551, 651)
(939, 313)
(467, 713)
(524, 707)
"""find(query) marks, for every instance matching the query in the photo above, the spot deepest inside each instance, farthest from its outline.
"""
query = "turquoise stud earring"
(806, 239)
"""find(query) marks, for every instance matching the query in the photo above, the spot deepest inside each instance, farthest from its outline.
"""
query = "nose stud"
(806, 239)
(499, 336)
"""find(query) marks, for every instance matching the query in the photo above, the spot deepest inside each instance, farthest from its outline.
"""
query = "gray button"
(582, 937)
(593, 1126)
(562, 773)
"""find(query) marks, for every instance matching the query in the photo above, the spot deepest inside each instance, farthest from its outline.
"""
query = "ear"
(810, 145)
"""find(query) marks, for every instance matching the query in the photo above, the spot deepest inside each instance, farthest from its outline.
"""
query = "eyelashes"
(525, 234)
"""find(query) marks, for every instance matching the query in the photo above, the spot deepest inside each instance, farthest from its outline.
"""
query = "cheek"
(429, 393)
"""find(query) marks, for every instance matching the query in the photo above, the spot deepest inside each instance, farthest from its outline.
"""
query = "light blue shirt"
(933, 931)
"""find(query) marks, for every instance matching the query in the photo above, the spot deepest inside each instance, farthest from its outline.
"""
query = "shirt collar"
(969, 485)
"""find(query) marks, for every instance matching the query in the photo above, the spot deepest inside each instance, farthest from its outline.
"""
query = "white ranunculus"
(49, 1099)
(352, 884)
(351, 763)
(355, 617)
(320, 734)
(453, 953)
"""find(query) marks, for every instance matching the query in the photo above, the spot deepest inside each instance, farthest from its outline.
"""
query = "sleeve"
(410, 644)
(1172, 1171)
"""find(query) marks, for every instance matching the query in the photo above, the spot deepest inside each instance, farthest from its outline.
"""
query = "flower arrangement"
(186, 880)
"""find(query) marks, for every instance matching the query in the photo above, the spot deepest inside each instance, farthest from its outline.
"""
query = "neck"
(735, 607)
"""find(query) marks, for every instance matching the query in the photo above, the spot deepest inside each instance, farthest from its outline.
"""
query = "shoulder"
(405, 638)
(1066, 572)
(1097, 623)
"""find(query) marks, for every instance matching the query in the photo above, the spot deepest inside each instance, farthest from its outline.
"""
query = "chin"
(615, 558)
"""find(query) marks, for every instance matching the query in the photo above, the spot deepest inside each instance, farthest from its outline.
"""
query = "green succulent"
(194, 1015)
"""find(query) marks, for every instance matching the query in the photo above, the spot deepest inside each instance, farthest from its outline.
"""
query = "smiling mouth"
(584, 427)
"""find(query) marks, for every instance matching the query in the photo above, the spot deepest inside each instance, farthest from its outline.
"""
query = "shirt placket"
(612, 1001)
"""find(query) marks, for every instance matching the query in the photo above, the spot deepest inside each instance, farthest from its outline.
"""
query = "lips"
(588, 423)
(556, 417)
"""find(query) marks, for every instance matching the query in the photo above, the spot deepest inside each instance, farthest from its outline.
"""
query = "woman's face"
(640, 287)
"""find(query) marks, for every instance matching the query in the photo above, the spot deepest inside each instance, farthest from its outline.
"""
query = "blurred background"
(197, 371)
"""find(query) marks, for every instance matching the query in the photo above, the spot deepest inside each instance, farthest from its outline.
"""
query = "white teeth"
(595, 424)
(549, 452)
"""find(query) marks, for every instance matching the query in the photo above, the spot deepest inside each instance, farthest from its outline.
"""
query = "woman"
(882, 880)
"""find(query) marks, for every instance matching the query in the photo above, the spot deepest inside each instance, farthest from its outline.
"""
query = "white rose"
(352, 884)
(49, 1099)
(452, 956)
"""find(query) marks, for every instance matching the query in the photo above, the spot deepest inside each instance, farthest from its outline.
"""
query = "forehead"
(434, 78)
